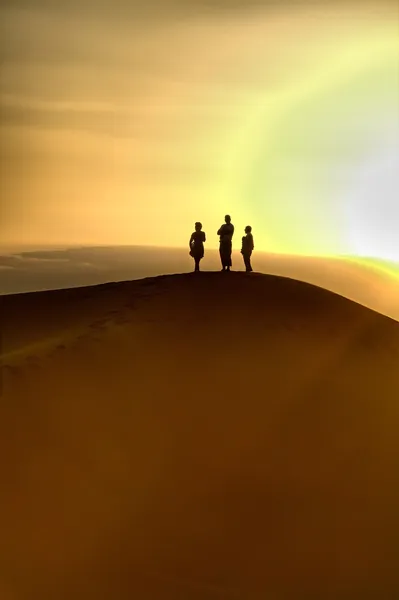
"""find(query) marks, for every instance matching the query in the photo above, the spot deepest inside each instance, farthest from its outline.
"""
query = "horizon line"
(26, 248)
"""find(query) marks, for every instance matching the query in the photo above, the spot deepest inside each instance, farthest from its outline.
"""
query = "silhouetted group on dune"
(225, 233)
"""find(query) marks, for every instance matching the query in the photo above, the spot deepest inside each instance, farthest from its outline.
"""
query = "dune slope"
(198, 437)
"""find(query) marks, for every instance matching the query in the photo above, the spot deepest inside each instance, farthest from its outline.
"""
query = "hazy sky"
(125, 124)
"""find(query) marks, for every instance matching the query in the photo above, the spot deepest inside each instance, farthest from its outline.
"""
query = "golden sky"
(124, 125)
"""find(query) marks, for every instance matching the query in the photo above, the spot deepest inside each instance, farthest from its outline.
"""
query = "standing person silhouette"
(196, 245)
(247, 248)
(226, 232)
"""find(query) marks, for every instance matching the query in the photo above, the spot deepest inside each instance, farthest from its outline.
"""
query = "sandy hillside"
(219, 436)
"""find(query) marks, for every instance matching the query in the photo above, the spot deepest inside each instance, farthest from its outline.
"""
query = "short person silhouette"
(247, 248)
(226, 232)
(196, 244)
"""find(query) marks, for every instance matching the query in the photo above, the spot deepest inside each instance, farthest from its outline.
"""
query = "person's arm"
(191, 241)
(220, 230)
(204, 236)
(252, 242)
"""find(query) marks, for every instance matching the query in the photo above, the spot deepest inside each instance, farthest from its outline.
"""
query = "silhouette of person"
(226, 232)
(247, 248)
(196, 244)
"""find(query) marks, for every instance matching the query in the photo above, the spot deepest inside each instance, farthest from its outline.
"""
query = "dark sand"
(220, 436)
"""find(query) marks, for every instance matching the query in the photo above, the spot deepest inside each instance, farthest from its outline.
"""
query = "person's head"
(227, 218)
(248, 229)
(198, 226)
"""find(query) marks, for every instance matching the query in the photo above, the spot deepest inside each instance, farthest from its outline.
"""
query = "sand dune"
(196, 438)
(372, 284)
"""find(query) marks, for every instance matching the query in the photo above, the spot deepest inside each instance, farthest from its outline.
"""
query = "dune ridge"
(370, 283)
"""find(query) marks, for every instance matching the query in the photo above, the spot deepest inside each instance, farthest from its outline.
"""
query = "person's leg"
(197, 261)
(247, 261)
(229, 250)
(221, 256)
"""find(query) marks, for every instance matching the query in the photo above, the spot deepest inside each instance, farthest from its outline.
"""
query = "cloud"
(150, 8)
(34, 259)
(106, 122)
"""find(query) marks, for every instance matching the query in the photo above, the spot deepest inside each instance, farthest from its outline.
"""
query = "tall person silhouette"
(196, 244)
(226, 232)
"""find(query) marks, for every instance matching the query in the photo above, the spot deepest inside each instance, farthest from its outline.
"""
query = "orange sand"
(198, 437)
